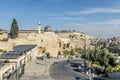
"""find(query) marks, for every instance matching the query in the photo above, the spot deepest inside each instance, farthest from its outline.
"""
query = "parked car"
(73, 64)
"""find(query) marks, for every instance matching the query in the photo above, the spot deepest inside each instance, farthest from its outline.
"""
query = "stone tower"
(39, 28)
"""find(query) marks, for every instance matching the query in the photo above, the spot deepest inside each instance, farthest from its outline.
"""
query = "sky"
(100, 18)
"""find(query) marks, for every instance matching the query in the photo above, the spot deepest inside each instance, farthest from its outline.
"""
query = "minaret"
(39, 28)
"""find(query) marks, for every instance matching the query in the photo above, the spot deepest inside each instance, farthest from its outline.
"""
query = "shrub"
(1, 33)
(66, 52)
(114, 69)
(5, 39)
(1, 50)
(48, 55)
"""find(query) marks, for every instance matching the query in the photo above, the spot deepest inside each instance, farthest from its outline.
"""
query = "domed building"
(48, 28)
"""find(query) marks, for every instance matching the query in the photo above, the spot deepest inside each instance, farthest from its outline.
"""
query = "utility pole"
(44, 62)
(85, 49)
(90, 70)
(84, 52)
(44, 57)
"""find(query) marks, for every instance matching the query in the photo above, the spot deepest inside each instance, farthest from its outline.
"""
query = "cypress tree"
(14, 29)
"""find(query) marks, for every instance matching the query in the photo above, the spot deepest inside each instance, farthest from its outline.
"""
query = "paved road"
(63, 71)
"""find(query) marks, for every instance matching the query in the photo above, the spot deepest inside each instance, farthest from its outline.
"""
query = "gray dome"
(48, 28)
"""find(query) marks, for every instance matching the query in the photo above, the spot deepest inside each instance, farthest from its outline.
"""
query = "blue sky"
(100, 18)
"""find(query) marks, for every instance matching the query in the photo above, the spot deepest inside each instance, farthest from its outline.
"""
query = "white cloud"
(103, 29)
(67, 18)
(113, 22)
(107, 23)
(51, 14)
(96, 10)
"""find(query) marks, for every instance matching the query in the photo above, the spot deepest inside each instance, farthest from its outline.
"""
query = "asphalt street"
(63, 71)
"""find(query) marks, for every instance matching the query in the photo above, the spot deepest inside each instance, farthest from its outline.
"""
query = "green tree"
(96, 54)
(14, 29)
(104, 58)
(66, 52)
(112, 48)
(112, 60)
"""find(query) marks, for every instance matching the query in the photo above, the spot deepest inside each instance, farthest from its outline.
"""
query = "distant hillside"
(1, 29)
(76, 38)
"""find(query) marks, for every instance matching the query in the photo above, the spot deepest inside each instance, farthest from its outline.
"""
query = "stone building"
(48, 40)
(3, 35)
(48, 28)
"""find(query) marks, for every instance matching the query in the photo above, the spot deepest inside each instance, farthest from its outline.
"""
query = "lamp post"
(44, 58)
(44, 55)
(44, 62)
(84, 52)
(94, 43)
(85, 49)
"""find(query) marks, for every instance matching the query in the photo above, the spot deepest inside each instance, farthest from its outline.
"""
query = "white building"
(18, 60)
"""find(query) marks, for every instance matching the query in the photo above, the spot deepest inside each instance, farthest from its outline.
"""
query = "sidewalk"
(35, 70)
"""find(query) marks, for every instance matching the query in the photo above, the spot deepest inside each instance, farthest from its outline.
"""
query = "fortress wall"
(2, 36)
(49, 40)
(23, 35)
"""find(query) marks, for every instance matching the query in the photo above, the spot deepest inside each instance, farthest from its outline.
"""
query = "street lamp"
(94, 43)
(44, 58)
(85, 49)
(84, 52)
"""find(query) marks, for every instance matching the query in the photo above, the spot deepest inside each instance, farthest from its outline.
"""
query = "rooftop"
(17, 51)
(2, 62)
